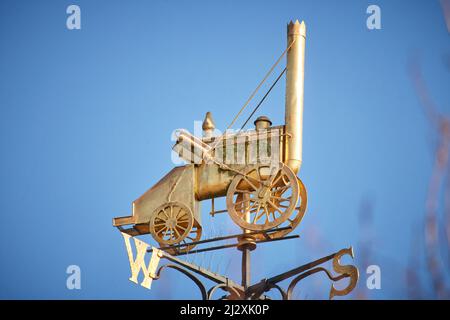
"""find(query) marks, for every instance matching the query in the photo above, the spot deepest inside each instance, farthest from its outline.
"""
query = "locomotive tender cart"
(255, 170)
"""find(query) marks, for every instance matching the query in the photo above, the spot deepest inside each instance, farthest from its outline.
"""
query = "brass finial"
(208, 125)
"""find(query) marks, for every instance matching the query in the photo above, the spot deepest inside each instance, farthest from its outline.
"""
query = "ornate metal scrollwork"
(283, 293)
(236, 291)
(186, 273)
(296, 280)
(344, 271)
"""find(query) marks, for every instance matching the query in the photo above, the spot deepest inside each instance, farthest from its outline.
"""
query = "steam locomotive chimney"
(294, 94)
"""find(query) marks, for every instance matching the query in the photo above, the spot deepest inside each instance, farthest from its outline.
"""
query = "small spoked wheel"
(171, 223)
(263, 198)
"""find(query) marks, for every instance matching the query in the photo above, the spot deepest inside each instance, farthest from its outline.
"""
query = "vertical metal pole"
(246, 251)
(245, 267)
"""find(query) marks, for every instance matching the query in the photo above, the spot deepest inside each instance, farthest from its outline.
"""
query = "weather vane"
(256, 171)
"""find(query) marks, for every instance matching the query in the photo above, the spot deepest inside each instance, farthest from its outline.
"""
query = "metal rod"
(291, 273)
(245, 267)
(221, 238)
(262, 100)
(226, 246)
(213, 213)
(252, 95)
(245, 263)
(260, 84)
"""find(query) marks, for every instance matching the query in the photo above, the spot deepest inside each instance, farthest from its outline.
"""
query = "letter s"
(348, 270)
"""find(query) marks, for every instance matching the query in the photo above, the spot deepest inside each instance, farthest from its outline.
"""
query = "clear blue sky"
(86, 117)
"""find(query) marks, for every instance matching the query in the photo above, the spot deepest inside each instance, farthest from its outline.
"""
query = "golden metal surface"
(262, 123)
(191, 148)
(208, 125)
(137, 264)
(295, 218)
(173, 192)
(272, 197)
(245, 150)
(215, 163)
(171, 223)
(151, 272)
(294, 94)
(349, 270)
(247, 240)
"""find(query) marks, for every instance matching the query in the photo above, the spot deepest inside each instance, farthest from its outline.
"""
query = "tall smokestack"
(295, 74)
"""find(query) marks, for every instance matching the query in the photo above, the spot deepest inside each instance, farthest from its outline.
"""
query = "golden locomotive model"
(255, 170)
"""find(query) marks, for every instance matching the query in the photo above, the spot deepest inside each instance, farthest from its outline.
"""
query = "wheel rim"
(263, 198)
(171, 223)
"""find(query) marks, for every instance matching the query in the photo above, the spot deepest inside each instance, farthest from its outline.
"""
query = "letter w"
(139, 263)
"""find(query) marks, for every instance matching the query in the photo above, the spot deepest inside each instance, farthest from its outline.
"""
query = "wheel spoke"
(274, 206)
(159, 224)
(250, 183)
(252, 206)
(243, 191)
(246, 200)
(256, 214)
(178, 234)
(280, 198)
(161, 230)
(267, 215)
(157, 231)
(275, 181)
(260, 215)
(178, 214)
(169, 233)
(165, 213)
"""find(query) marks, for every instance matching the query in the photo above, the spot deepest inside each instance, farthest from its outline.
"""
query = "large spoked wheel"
(171, 223)
(263, 198)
